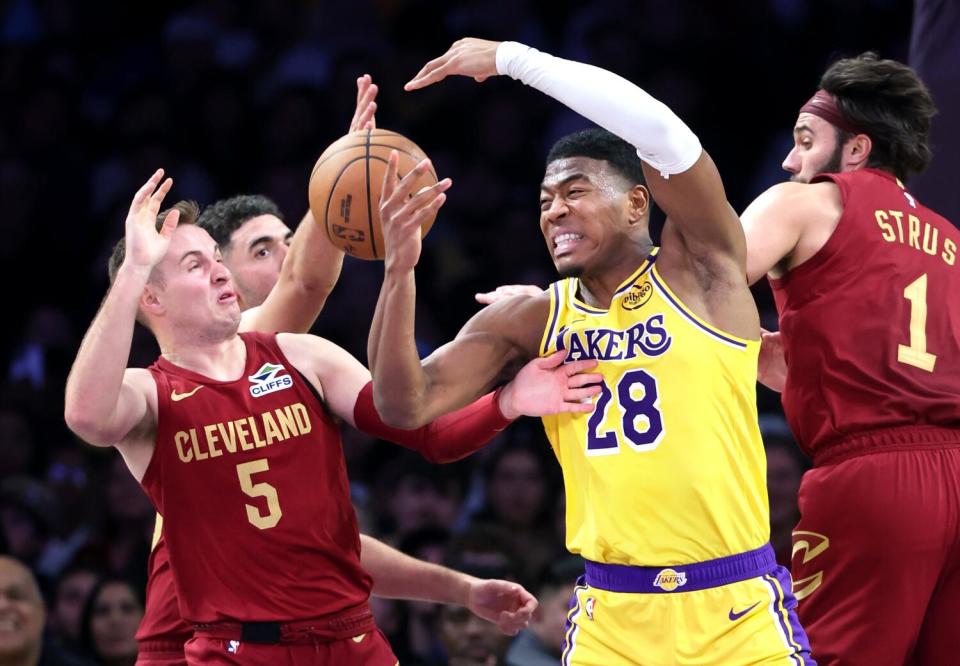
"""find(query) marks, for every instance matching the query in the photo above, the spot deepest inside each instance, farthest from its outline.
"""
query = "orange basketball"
(345, 186)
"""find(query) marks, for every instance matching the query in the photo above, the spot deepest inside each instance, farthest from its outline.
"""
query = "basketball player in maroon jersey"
(865, 279)
(234, 439)
(282, 283)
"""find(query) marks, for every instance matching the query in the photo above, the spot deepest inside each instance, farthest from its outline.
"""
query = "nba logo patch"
(668, 580)
(588, 607)
(233, 646)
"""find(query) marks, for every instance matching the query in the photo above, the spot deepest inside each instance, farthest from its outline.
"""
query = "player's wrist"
(504, 398)
(130, 270)
(508, 55)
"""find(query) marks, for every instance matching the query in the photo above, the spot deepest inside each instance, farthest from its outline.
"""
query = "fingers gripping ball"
(345, 188)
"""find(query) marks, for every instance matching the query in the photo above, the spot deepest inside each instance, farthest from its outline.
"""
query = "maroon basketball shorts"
(876, 558)
(367, 649)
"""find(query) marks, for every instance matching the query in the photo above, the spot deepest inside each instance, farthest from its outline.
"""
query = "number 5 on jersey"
(638, 401)
(246, 471)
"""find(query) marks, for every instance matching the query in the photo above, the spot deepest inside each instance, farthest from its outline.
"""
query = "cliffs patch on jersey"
(269, 380)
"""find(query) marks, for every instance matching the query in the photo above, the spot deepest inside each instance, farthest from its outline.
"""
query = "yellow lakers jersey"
(669, 468)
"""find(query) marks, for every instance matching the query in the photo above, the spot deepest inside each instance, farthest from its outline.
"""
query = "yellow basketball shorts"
(731, 611)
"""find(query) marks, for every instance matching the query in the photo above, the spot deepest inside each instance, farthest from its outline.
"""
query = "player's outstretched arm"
(104, 401)
(399, 576)
(312, 267)
(407, 393)
(682, 178)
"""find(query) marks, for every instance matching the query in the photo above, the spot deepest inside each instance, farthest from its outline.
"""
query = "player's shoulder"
(801, 203)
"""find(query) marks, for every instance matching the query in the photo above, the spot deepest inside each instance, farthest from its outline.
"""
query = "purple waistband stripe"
(681, 577)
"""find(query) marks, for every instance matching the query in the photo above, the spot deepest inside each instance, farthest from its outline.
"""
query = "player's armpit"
(336, 375)
(696, 205)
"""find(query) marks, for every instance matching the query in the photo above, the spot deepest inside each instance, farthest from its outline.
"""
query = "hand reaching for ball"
(402, 212)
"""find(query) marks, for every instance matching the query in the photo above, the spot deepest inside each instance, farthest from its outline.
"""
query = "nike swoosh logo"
(736, 616)
(177, 397)
(359, 639)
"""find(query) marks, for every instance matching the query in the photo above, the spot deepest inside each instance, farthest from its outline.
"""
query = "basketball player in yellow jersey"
(665, 479)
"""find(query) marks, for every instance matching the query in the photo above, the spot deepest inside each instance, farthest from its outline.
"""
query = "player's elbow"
(398, 411)
(85, 426)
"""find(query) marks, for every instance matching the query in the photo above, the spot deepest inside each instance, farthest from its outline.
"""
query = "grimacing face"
(255, 254)
(583, 208)
(194, 292)
(815, 149)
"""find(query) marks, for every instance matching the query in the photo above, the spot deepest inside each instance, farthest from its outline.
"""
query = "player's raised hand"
(466, 57)
(145, 245)
(403, 212)
(364, 116)
(550, 386)
(506, 291)
(506, 604)
(771, 366)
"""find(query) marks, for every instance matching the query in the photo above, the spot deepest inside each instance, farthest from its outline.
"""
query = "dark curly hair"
(227, 215)
(599, 144)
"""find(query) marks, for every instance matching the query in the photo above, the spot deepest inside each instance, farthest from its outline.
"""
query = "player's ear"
(638, 202)
(857, 152)
(150, 301)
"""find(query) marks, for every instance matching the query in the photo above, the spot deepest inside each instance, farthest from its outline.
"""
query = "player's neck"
(222, 360)
(598, 287)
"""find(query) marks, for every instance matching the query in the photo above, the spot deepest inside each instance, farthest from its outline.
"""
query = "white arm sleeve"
(662, 140)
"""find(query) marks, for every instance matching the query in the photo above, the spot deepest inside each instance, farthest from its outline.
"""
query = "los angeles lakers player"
(665, 486)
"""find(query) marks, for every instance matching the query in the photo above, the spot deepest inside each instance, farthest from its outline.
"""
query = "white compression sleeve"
(662, 140)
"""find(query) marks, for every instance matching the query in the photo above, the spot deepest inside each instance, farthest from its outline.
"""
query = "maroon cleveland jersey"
(871, 322)
(250, 479)
(161, 616)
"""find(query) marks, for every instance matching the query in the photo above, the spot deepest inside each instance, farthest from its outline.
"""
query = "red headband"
(823, 105)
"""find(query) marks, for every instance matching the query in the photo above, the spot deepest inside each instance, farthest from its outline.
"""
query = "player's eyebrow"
(260, 239)
(187, 255)
(802, 128)
(568, 179)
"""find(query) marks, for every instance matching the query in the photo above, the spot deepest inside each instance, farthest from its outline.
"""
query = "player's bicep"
(494, 343)
(696, 203)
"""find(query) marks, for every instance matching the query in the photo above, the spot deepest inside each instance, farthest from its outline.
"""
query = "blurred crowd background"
(241, 97)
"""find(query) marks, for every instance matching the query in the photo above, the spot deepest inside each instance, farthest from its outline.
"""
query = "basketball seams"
(366, 164)
(336, 174)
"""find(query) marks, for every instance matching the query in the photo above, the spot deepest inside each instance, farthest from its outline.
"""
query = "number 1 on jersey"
(916, 354)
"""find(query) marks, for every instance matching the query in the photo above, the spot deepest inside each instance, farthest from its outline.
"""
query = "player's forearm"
(661, 138)
(309, 273)
(400, 384)
(95, 380)
(399, 576)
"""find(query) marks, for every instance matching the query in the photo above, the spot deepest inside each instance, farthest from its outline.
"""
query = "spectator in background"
(415, 494)
(785, 468)
(27, 512)
(22, 615)
(22, 618)
(520, 486)
(109, 623)
(481, 552)
(541, 644)
(70, 595)
(414, 638)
